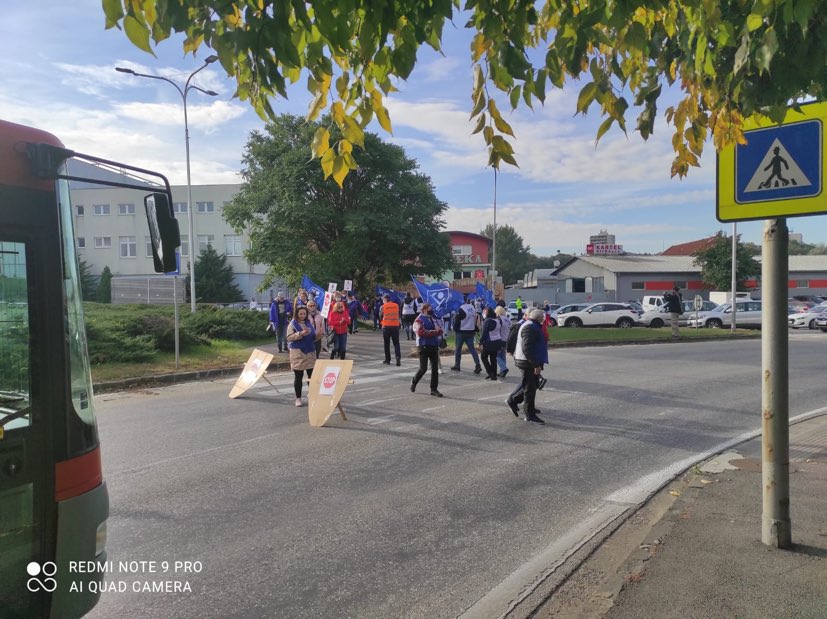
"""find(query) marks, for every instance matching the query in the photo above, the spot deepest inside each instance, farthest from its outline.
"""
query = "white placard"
(331, 287)
(330, 377)
(328, 299)
(348, 285)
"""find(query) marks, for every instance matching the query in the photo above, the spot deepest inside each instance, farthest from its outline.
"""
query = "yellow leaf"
(479, 103)
(338, 112)
(327, 162)
(353, 132)
(674, 493)
(350, 161)
(316, 106)
(340, 170)
(384, 119)
(503, 126)
(321, 142)
(345, 147)
(480, 124)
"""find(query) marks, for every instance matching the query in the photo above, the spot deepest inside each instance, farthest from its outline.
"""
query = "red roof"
(687, 249)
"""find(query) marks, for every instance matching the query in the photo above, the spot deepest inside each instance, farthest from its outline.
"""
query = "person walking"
(465, 325)
(280, 312)
(339, 321)
(408, 315)
(529, 355)
(674, 305)
(318, 325)
(353, 308)
(519, 304)
(300, 342)
(505, 329)
(377, 306)
(389, 318)
(490, 339)
(428, 332)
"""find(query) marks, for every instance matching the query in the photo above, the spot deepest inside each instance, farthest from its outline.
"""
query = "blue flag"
(486, 295)
(314, 291)
(396, 296)
(442, 298)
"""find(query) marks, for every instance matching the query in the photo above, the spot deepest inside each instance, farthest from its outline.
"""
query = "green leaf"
(741, 55)
(113, 9)
(480, 124)
(754, 22)
(488, 134)
(514, 97)
(604, 127)
(586, 96)
(479, 104)
(138, 33)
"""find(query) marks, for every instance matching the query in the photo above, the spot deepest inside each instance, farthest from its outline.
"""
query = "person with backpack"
(465, 326)
(491, 343)
(674, 304)
(530, 353)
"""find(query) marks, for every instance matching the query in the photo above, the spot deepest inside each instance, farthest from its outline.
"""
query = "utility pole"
(776, 529)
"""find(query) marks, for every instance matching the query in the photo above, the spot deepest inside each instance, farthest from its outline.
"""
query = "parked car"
(801, 320)
(602, 315)
(660, 316)
(565, 309)
(821, 322)
(809, 298)
(651, 302)
(799, 305)
(748, 315)
(512, 309)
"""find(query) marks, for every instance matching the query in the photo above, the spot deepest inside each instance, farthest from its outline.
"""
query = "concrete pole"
(776, 529)
(734, 281)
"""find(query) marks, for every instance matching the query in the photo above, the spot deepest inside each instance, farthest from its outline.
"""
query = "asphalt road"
(415, 506)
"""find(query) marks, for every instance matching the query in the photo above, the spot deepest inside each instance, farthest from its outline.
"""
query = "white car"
(806, 320)
(558, 315)
(660, 316)
(601, 315)
(748, 315)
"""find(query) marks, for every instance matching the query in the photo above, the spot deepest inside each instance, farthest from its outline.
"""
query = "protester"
(389, 318)
(301, 298)
(377, 306)
(300, 341)
(353, 308)
(338, 319)
(529, 355)
(428, 334)
(490, 339)
(465, 325)
(280, 312)
(318, 325)
(505, 328)
(408, 315)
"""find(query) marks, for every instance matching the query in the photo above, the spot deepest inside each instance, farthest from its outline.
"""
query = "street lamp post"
(190, 215)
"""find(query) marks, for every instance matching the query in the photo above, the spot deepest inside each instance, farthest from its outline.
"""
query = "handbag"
(443, 343)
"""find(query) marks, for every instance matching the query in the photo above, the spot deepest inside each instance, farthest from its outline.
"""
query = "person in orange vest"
(389, 318)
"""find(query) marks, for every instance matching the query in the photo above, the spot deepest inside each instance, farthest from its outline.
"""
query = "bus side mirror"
(163, 232)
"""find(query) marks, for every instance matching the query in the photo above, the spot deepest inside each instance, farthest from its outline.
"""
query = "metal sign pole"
(776, 529)
(175, 303)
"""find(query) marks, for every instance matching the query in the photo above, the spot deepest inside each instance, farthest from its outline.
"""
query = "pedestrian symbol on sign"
(777, 169)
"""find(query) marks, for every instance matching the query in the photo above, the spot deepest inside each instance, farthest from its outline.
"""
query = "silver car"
(748, 315)
(660, 316)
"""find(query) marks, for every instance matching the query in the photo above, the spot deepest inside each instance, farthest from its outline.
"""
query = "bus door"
(29, 250)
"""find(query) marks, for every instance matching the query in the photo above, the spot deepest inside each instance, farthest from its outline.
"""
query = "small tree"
(104, 291)
(215, 278)
(88, 282)
(716, 263)
(513, 256)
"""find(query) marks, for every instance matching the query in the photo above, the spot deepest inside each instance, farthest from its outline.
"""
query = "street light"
(184, 92)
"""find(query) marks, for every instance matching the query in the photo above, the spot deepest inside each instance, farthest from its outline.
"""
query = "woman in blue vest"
(428, 333)
(301, 338)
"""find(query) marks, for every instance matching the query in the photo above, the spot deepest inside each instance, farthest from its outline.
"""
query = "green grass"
(637, 334)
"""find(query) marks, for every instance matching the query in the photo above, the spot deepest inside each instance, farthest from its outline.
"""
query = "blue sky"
(58, 66)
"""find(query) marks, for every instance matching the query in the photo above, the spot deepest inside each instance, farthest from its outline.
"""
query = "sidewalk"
(694, 549)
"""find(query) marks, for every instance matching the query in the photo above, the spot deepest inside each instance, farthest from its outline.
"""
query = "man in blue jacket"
(281, 310)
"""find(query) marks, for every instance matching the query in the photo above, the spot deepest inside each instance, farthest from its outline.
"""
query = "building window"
(461, 250)
(802, 283)
(204, 241)
(148, 243)
(129, 247)
(638, 286)
(126, 209)
(79, 210)
(232, 244)
(204, 207)
(81, 242)
(179, 207)
(103, 242)
(462, 274)
(185, 245)
(101, 209)
(682, 285)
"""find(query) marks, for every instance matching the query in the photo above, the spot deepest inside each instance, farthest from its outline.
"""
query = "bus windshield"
(14, 336)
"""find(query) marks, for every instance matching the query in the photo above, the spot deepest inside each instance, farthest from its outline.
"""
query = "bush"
(226, 324)
(161, 328)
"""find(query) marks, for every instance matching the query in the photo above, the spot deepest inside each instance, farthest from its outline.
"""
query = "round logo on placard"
(329, 380)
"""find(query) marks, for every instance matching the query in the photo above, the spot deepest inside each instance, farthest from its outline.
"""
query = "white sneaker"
(299, 402)
(441, 372)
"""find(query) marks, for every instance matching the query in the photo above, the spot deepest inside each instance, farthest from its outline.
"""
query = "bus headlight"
(100, 538)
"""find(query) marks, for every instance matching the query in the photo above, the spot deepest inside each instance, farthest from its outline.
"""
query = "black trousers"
(489, 362)
(428, 354)
(297, 381)
(388, 334)
(529, 388)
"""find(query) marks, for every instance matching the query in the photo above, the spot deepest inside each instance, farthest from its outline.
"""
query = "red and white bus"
(53, 499)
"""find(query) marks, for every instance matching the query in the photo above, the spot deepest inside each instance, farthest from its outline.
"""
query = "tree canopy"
(729, 58)
(716, 263)
(383, 225)
(513, 256)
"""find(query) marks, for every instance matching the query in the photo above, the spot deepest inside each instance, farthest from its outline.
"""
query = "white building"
(111, 230)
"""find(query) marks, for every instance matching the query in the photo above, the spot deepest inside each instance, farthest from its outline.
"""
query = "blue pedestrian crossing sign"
(780, 170)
